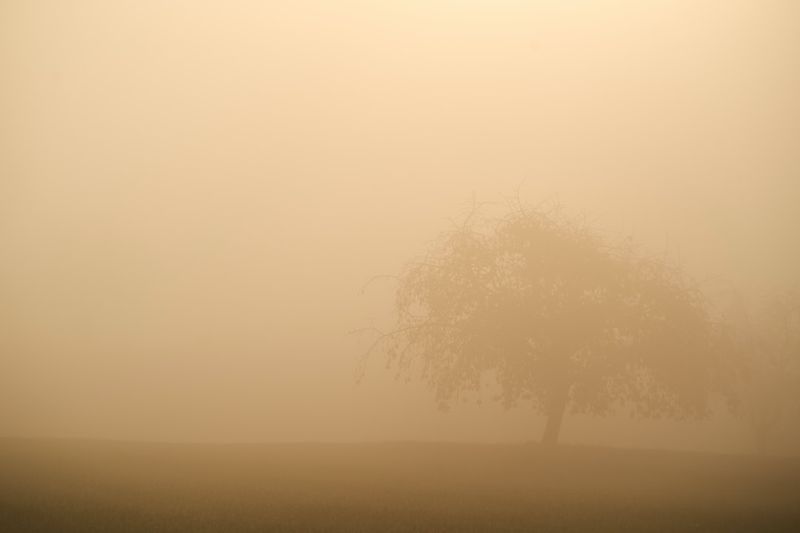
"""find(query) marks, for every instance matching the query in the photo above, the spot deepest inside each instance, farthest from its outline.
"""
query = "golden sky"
(192, 194)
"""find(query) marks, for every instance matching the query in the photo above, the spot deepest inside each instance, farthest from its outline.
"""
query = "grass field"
(53, 485)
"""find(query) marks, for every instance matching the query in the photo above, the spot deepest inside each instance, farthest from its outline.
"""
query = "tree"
(763, 348)
(556, 315)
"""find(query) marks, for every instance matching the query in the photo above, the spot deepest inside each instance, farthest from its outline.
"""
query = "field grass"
(63, 485)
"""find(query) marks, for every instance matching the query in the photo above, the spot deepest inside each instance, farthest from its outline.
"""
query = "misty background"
(194, 194)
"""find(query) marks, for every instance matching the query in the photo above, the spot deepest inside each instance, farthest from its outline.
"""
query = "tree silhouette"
(556, 315)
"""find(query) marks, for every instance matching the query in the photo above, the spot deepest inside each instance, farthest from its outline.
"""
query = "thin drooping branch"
(384, 337)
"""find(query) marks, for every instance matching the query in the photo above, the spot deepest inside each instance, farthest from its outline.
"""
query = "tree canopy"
(557, 315)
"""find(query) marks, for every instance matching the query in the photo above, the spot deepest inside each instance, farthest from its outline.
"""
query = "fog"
(194, 196)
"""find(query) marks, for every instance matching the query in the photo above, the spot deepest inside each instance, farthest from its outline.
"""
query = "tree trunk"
(555, 415)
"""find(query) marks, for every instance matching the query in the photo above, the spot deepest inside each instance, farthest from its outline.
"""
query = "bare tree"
(557, 315)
